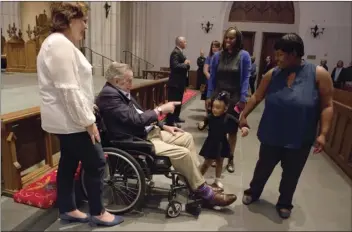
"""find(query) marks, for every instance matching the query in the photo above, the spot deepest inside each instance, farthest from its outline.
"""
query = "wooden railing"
(339, 139)
(87, 50)
(24, 144)
(155, 74)
(150, 95)
(192, 76)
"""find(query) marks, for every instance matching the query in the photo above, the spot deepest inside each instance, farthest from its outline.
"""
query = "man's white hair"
(116, 71)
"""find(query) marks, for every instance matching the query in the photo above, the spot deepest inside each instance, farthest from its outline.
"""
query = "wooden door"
(269, 39)
(248, 41)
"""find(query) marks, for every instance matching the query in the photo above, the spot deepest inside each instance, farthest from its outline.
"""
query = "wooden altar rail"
(339, 142)
(155, 74)
(25, 144)
(165, 72)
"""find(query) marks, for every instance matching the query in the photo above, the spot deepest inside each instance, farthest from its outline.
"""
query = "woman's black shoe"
(247, 199)
(283, 213)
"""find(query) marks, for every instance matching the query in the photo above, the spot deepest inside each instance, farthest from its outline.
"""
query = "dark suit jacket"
(178, 70)
(347, 74)
(340, 79)
(120, 116)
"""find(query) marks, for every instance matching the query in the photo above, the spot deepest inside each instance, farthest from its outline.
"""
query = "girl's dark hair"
(239, 40)
(223, 96)
(291, 43)
(215, 43)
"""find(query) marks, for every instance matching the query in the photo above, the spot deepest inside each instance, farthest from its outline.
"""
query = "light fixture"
(206, 26)
(316, 31)
(107, 9)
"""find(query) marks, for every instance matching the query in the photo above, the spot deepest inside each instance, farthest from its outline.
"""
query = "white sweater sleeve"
(63, 69)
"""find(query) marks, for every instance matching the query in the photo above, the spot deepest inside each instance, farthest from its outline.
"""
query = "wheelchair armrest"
(140, 146)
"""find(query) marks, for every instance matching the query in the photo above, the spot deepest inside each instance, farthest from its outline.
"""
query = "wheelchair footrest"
(194, 208)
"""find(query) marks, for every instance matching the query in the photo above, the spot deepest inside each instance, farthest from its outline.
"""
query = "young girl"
(216, 146)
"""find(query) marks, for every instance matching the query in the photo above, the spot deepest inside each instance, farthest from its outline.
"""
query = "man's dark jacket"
(178, 69)
(120, 116)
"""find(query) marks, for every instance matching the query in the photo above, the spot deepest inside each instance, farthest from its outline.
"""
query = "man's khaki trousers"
(181, 151)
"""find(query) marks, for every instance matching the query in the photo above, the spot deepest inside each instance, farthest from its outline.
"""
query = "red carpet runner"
(42, 192)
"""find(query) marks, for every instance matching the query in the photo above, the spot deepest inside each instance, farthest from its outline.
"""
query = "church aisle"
(322, 200)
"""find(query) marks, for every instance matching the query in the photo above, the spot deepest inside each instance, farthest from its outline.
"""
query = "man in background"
(268, 65)
(324, 64)
(337, 75)
(253, 76)
(346, 77)
(179, 67)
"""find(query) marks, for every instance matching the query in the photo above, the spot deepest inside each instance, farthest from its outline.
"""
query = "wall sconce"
(207, 26)
(107, 9)
(316, 31)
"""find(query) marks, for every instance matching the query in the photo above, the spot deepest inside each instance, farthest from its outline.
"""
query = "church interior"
(142, 35)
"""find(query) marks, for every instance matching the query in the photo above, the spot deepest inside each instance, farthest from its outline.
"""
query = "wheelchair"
(130, 166)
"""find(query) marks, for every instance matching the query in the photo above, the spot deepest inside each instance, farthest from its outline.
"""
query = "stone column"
(139, 26)
(104, 34)
(10, 13)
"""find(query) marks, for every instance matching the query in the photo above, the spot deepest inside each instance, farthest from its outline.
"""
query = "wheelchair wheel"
(173, 209)
(124, 182)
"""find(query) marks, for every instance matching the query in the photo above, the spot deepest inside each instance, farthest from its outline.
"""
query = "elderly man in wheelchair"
(139, 146)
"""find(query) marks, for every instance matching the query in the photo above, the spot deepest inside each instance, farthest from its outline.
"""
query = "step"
(20, 217)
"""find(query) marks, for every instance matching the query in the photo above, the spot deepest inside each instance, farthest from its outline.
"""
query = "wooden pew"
(25, 144)
(339, 139)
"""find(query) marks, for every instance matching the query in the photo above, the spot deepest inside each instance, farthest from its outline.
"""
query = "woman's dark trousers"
(292, 163)
(252, 84)
(74, 148)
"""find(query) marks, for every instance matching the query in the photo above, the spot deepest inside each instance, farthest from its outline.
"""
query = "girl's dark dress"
(201, 79)
(216, 144)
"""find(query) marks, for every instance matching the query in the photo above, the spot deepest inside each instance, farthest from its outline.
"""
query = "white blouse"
(66, 86)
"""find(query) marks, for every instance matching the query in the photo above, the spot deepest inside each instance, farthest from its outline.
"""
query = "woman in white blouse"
(67, 100)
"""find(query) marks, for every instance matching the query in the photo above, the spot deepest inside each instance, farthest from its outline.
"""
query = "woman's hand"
(241, 105)
(93, 133)
(244, 131)
(243, 121)
(207, 103)
(319, 144)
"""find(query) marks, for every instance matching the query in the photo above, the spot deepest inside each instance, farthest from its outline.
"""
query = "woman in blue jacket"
(230, 71)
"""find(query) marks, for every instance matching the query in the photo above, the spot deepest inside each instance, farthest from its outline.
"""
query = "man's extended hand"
(169, 107)
(172, 129)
